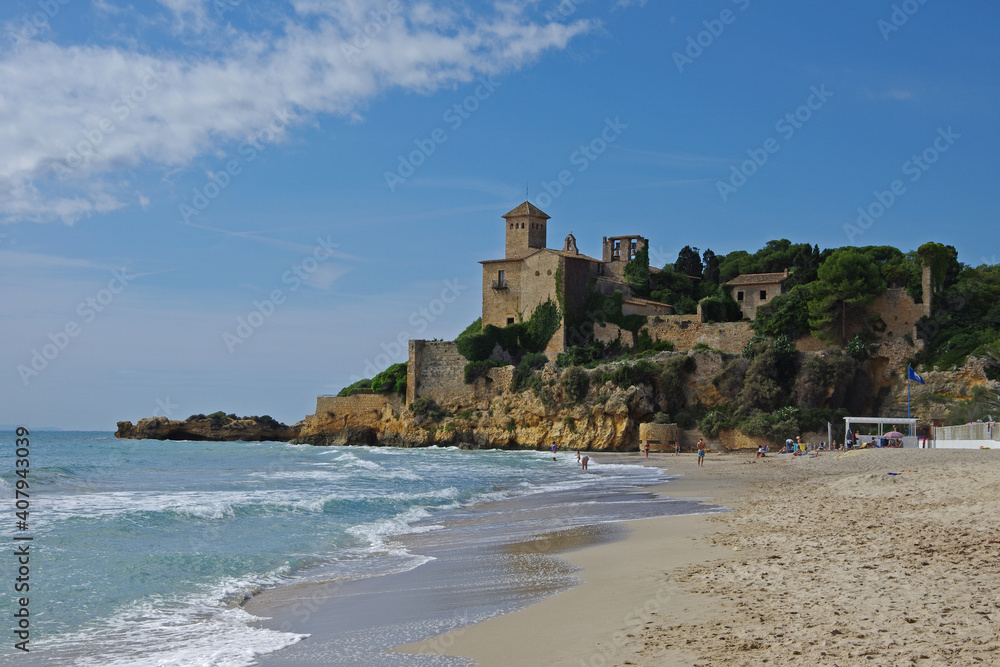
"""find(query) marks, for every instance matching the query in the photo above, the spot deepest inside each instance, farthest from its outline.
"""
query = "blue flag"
(912, 375)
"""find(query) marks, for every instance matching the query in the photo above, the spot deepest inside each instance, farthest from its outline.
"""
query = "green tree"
(636, 271)
(786, 314)
(711, 262)
(847, 282)
(943, 260)
(689, 262)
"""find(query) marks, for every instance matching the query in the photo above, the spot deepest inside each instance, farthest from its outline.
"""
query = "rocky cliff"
(607, 419)
(248, 430)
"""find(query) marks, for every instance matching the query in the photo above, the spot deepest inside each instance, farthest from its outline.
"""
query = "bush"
(428, 408)
(672, 381)
(220, 419)
(661, 418)
(476, 369)
(575, 384)
(628, 375)
(392, 379)
(359, 387)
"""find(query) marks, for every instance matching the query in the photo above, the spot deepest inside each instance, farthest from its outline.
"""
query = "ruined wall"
(686, 331)
(661, 437)
(436, 370)
(355, 410)
(899, 312)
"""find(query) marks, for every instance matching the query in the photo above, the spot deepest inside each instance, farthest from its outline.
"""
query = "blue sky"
(241, 204)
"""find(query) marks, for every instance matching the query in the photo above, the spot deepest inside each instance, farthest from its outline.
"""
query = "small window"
(510, 320)
(763, 295)
(501, 276)
(739, 296)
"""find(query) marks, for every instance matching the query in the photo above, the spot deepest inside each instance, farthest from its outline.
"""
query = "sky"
(239, 205)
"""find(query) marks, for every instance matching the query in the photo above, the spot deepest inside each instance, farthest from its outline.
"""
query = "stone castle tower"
(526, 230)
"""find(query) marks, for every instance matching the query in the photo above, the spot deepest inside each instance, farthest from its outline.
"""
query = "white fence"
(967, 436)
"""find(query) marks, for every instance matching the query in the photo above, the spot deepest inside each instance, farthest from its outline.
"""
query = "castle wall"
(899, 312)
(436, 370)
(686, 331)
(500, 304)
(356, 410)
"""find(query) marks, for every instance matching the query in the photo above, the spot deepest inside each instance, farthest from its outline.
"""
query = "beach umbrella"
(894, 434)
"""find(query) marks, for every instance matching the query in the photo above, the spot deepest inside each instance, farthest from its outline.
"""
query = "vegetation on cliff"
(392, 379)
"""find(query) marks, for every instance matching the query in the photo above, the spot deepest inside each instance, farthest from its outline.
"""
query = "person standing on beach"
(583, 462)
(677, 448)
(554, 448)
(646, 449)
(701, 451)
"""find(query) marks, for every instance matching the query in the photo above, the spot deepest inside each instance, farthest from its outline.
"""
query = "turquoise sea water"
(144, 550)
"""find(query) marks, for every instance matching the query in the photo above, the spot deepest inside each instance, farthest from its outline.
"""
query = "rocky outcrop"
(492, 417)
(248, 430)
(932, 399)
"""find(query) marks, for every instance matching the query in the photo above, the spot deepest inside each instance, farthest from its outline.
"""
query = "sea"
(146, 552)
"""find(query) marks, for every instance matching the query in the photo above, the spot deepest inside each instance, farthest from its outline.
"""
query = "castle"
(526, 277)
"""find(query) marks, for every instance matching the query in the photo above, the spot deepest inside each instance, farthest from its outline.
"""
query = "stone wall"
(899, 312)
(686, 331)
(436, 370)
(661, 437)
(355, 410)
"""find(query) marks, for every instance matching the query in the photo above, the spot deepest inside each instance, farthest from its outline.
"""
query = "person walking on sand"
(646, 449)
(583, 462)
(677, 448)
(701, 451)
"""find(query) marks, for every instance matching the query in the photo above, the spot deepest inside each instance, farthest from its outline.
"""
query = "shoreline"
(863, 557)
(620, 588)
(482, 561)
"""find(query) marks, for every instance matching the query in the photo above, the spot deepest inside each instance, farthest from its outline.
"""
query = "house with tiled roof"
(753, 290)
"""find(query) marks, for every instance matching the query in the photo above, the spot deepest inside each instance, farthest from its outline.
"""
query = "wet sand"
(484, 561)
(829, 560)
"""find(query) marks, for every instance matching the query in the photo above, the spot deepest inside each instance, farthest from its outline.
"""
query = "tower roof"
(526, 209)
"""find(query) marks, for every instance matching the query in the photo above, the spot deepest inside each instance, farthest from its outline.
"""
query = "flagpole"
(908, 393)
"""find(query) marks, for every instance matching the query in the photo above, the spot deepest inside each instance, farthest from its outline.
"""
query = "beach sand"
(824, 561)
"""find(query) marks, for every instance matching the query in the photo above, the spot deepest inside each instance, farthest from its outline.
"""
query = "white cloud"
(898, 94)
(74, 115)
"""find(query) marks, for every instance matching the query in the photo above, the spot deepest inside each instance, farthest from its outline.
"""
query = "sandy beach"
(874, 557)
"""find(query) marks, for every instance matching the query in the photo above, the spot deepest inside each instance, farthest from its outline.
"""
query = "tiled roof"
(527, 208)
(759, 279)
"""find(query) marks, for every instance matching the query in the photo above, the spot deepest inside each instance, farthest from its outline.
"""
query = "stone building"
(526, 277)
(755, 289)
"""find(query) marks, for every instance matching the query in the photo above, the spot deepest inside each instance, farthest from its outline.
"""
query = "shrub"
(575, 383)
(359, 387)
(220, 419)
(428, 408)
(476, 369)
(628, 375)
(672, 381)
(661, 418)
(392, 379)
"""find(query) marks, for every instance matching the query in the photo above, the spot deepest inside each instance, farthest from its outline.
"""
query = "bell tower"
(526, 229)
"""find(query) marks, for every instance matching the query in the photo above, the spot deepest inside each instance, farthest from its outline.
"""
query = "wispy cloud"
(674, 160)
(73, 116)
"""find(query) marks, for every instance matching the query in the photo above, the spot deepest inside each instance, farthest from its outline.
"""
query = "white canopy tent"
(908, 441)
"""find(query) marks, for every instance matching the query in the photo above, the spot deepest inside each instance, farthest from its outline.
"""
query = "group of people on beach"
(584, 459)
